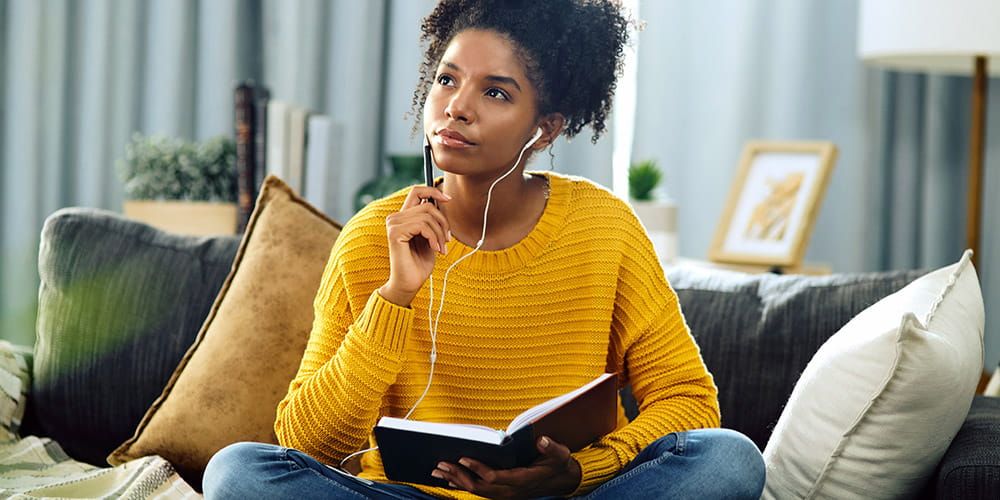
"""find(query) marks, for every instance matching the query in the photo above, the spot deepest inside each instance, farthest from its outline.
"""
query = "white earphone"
(538, 135)
(444, 286)
(432, 326)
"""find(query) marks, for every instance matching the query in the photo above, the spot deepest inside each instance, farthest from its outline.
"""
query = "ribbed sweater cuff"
(384, 323)
(598, 465)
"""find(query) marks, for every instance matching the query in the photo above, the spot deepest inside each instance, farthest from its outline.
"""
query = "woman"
(564, 286)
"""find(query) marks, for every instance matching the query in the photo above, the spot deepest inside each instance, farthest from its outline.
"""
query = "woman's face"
(481, 109)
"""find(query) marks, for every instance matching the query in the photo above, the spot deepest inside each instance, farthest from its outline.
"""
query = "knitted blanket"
(33, 467)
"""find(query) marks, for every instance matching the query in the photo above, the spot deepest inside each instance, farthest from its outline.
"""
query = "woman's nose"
(460, 107)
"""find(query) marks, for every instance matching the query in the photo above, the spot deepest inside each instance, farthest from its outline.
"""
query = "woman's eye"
(444, 80)
(497, 94)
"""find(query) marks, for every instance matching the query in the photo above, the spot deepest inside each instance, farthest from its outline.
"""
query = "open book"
(411, 449)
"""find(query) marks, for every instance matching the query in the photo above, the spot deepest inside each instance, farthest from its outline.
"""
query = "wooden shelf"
(806, 269)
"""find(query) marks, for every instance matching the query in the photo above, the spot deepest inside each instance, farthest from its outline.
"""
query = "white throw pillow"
(879, 403)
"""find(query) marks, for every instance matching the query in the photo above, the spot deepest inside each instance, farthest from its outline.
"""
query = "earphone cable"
(433, 327)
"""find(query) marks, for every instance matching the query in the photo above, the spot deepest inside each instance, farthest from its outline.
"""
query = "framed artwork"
(773, 203)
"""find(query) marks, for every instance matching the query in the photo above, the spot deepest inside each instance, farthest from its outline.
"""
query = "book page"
(532, 414)
(463, 431)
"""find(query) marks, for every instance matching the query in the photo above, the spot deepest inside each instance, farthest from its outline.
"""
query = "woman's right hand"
(416, 233)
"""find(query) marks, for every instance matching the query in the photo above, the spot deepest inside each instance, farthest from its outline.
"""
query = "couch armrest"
(971, 466)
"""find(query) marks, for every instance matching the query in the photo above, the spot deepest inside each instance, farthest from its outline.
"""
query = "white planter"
(198, 218)
(660, 219)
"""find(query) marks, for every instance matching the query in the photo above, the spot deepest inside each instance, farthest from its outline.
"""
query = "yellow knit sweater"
(581, 294)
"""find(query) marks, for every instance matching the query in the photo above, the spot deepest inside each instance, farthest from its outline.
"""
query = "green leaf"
(163, 168)
(643, 177)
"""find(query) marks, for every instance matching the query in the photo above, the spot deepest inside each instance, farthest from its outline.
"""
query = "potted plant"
(181, 186)
(657, 214)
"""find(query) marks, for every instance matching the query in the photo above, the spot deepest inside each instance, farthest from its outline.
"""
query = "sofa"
(122, 306)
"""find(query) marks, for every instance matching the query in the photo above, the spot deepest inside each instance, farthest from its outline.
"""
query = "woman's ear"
(551, 125)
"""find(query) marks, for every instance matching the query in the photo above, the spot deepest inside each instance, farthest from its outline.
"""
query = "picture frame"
(773, 203)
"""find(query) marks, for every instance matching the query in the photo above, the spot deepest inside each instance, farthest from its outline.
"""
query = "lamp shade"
(930, 35)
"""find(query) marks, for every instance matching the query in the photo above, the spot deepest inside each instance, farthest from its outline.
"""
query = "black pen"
(428, 169)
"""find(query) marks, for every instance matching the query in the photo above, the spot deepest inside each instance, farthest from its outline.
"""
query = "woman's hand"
(555, 473)
(415, 233)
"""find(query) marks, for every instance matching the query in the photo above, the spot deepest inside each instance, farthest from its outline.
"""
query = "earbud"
(538, 135)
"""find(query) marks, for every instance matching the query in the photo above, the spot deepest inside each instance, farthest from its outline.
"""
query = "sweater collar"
(512, 258)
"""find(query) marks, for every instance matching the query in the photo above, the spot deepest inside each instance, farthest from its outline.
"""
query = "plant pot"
(660, 219)
(196, 218)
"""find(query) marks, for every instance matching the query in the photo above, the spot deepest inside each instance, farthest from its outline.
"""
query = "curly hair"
(572, 51)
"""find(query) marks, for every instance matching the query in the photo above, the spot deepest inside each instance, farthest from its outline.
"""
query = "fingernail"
(443, 466)
(545, 442)
(464, 462)
(437, 247)
(453, 485)
(437, 474)
(449, 235)
(446, 196)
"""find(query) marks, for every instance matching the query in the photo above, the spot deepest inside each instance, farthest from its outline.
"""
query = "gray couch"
(120, 302)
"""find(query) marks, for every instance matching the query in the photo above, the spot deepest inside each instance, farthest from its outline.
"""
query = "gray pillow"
(120, 302)
(758, 332)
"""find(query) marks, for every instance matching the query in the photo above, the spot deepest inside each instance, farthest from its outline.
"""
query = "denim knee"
(740, 464)
(230, 471)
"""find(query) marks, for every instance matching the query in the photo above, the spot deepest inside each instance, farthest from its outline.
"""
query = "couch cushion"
(227, 387)
(758, 332)
(879, 403)
(119, 304)
(970, 468)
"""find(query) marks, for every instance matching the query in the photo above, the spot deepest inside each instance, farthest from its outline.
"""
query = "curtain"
(919, 158)
(79, 77)
(713, 75)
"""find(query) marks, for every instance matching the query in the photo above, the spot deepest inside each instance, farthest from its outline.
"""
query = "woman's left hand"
(555, 473)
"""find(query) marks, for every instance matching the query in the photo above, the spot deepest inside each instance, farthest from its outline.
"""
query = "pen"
(428, 169)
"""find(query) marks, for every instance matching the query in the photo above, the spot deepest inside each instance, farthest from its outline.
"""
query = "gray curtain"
(329, 56)
(713, 75)
(918, 155)
(77, 78)
(712, 78)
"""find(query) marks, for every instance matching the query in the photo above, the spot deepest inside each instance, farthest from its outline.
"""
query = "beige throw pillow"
(228, 385)
(878, 405)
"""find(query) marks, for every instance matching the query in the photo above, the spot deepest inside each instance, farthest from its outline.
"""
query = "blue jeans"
(706, 463)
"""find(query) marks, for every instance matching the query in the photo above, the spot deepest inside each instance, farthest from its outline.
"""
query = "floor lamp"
(959, 37)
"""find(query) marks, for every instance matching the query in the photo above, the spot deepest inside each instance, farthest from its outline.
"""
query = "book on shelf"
(412, 449)
(243, 105)
(261, 96)
(296, 147)
(277, 138)
(322, 148)
(295, 144)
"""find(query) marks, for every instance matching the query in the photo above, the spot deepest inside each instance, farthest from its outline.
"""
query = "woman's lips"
(452, 142)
